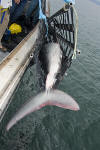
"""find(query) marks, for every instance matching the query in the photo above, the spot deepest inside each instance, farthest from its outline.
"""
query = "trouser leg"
(33, 11)
(32, 7)
(35, 16)
(16, 10)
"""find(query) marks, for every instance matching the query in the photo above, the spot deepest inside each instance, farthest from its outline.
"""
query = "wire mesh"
(62, 29)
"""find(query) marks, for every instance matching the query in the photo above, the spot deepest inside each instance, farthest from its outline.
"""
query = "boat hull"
(14, 65)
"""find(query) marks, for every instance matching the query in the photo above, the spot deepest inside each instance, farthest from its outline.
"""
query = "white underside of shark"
(54, 58)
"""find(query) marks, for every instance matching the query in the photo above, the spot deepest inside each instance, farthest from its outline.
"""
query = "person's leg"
(32, 6)
(16, 10)
(3, 27)
(35, 16)
(12, 9)
(32, 13)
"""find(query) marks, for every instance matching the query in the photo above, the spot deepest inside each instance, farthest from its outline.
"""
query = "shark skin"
(54, 58)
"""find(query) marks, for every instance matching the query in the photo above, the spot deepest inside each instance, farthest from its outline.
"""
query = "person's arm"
(17, 1)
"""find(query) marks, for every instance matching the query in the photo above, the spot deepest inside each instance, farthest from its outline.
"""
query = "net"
(62, 28)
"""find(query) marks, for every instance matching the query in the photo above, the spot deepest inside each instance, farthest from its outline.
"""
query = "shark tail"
(53, 97)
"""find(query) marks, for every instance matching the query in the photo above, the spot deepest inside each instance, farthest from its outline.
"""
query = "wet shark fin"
(53, 97)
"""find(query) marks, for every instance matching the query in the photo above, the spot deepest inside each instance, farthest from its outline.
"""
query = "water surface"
(53, 128)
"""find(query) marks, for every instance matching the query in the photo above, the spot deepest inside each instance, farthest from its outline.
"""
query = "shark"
(49, 96)
(54, 58)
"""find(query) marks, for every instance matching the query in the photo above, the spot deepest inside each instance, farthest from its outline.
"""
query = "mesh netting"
(62, 29)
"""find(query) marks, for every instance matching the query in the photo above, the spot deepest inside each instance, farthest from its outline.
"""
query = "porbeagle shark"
(54, 58)
(50, 96)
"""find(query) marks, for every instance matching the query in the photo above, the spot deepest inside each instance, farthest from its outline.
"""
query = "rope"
(76, 26)
(42, 16)
(76, 30)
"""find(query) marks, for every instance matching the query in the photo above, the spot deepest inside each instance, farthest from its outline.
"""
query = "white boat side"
(14, 65)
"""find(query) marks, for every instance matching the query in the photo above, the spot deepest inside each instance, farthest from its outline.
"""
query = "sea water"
(53, 128)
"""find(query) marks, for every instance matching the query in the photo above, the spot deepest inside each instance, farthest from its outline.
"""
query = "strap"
(42, 16)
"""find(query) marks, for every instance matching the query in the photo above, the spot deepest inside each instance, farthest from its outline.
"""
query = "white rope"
(76, 31)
